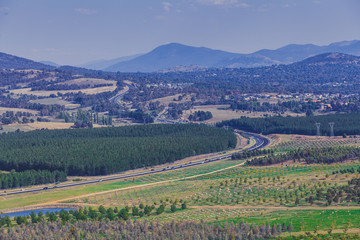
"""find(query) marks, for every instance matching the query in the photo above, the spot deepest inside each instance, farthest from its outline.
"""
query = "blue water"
(43, 210)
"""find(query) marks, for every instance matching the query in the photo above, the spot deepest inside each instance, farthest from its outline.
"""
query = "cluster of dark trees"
(348, 193)
(11, 117)
(29, 178)
(325, 155)
(247, 154)
(100, 151)
(200, 116)
(138, 115)
(344, 123)
(175, 110)
(129, 230)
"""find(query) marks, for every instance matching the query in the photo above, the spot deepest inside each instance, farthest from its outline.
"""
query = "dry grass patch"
(89, 91)
(87, 81)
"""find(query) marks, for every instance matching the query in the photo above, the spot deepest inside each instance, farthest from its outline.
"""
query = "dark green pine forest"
(101, 151)
(348, 124)
(30, 177)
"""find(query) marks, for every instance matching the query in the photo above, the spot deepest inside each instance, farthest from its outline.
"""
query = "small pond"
(36, 211)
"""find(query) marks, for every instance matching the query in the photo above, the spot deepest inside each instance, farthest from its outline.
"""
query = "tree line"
(344, 123)
(100, 151)
(29, 178)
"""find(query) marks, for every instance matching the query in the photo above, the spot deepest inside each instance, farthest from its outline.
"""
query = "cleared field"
(89, 91)
(87, 81)
(58, 101)
(221, 113)
(36, 125)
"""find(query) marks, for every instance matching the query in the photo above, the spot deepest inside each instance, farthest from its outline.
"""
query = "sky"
(74, 32)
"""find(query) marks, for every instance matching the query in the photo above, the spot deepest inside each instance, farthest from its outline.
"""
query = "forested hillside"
(108, 150)
(344, 124)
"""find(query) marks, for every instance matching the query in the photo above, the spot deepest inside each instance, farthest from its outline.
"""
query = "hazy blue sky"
(78, 31)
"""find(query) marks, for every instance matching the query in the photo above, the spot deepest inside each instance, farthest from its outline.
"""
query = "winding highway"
(260, 142)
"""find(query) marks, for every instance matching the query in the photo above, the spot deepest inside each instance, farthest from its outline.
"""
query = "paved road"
(260, 142)
(119, 97)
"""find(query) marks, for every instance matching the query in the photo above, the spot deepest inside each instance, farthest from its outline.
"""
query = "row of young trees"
(344, 123)
(30, 177)
(347, 170)
(83, 214)
(326, 155)
(100, 151)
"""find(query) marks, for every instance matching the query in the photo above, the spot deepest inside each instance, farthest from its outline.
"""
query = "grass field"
(59, 101)
(221, 113)
(306, 220)
(88, 91)
(88, 81)
(38, 125)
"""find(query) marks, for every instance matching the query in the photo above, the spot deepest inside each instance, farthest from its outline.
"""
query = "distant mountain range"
(174, 54)
(179, 57)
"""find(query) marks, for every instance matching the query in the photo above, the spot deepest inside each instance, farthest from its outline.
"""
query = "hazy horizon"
(77, 32)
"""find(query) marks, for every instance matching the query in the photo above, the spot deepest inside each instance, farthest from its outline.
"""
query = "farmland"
(288, 142)
(229, 191)
(47, 93)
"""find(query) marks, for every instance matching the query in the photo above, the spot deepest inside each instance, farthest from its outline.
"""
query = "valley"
(213, 146)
